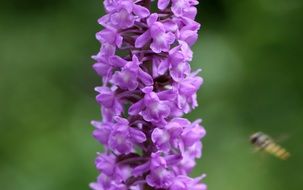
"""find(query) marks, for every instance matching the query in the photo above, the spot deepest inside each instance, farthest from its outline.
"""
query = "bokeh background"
(251, 55)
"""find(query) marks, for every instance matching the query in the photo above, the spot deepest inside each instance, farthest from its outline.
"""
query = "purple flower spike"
(147, 87)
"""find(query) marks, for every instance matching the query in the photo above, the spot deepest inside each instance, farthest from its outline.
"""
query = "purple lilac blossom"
(147, 87)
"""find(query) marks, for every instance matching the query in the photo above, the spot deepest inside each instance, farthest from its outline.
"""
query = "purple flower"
(151, 107)
(147, 87)
(186, 90)
(179, 134)
(122, 14)
(103, 182)
(176, 62)
(170, 136)
(122, 19)
(110, 36)
(128, 77)
(102, 131)
(161, 40)
(180, 6)
(101, 66)
(122, 137)
(188, 32)
(160, 176)
(106, 163)
(189, 156)
(192, 134)
(109, 101)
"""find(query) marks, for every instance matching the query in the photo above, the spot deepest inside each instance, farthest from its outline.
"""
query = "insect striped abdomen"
(277, 151)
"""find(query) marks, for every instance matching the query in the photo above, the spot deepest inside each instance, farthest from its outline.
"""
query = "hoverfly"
(267, 144)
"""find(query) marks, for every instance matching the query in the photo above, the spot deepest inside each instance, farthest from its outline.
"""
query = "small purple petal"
(142, 39)
(137, 135)
(162, 4)
(152, 19)
(136, 108)
(140, 11)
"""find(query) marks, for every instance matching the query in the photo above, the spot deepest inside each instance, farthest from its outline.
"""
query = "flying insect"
(267, 144)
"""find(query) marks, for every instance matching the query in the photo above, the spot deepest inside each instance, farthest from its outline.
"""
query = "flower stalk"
(147, 87)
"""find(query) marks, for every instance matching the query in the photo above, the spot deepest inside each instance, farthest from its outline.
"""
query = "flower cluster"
(147, 86)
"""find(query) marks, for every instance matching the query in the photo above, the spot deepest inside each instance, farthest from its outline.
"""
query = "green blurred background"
(251, 55)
